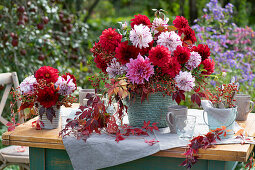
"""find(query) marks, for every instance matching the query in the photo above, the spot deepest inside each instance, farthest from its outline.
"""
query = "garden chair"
(11, 155)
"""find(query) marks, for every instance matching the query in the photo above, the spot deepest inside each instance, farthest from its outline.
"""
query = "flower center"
(47, 75)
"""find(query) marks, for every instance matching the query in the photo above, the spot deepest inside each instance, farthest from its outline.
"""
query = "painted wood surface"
(27, 136)
(49, 159)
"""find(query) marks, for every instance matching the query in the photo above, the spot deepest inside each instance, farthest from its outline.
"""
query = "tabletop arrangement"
(147, 68)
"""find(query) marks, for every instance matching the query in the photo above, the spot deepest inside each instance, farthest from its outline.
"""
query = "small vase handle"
(204, 118)
(251, 106)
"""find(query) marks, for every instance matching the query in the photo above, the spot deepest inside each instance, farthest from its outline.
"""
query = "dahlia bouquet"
(46, 90)
(147, 57)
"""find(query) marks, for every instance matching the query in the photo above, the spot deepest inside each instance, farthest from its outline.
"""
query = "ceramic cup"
(82, 95)
(173, 111)
(244, 106)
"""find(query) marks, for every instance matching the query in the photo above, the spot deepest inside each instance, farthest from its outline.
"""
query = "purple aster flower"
(115, 69)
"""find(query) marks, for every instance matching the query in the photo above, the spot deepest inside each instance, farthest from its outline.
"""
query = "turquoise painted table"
(48, 152)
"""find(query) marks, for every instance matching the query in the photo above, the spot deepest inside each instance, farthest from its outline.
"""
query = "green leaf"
(1, 7)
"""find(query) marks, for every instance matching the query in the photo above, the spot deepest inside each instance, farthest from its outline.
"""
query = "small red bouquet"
(47, 91)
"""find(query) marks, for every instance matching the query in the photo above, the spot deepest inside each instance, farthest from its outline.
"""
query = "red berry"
(41, 57)
(21, 9)
(64, 29)
(25, 19)
(21, 22)
(15, 42)
(61, 16)
(69, 26)
(68, 20)
(32, 10)
(45, 20)
(23, 52)
(12, 34)
(40, 26)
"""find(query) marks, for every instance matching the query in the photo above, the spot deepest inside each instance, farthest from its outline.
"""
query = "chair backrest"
(9, 80)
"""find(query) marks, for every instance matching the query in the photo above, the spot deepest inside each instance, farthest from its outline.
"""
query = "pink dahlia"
(182, 54)
(140, 36)
(159, 55)
(109, 40)
(140, 19)
(185, 81)
(158, 25)
(194, 60)
(170, 40)
(139, 69)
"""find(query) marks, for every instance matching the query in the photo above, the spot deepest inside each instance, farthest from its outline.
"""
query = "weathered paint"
(55, 159)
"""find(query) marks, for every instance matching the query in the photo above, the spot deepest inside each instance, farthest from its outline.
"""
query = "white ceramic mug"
(83, 93)
(173, 111)
(244, 106)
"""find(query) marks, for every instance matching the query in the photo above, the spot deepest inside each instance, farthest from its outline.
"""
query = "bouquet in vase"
(47, 91)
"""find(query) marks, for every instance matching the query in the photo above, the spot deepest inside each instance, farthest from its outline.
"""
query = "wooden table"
(48, 152)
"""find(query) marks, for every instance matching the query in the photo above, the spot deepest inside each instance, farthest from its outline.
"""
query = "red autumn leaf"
(201, 94)
(119, 137)
(197, 89)
(151, 142)
(145, 125)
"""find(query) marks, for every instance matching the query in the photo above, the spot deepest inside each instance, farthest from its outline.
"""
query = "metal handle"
(226, 126)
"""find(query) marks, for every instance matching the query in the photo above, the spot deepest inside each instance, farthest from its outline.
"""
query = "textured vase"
(154, 110)
(55, 121)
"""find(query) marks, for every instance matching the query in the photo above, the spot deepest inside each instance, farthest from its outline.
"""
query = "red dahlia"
(48, 96)
(208, 66)
(180, 22)
(159, 55)
(203, 50)
(140, 19)
(172, 68)
(102, 58)
(189, 34)
(47, 73)
(124, 52)
(109, 40)
(182, 54)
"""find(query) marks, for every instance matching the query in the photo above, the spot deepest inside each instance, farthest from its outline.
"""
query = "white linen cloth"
(101, 151)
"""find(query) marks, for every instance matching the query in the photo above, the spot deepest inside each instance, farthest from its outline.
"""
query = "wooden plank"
(6, 78)
(37, 158)
(249, 125)
(234, 152)
(34, 144)
(3, 101)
